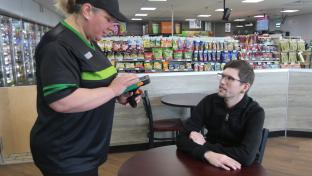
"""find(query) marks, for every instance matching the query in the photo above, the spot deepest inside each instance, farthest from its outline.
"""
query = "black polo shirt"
(235, 132)
(70, 142)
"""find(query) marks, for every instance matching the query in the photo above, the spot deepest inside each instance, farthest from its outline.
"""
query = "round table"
(188, 100)
(168, 161)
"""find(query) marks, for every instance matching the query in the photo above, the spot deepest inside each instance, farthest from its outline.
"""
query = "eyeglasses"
(228, 78)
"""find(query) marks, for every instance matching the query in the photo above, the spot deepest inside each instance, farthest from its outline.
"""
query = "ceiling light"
(240, 19)
(141, 14)
(219, 10)
(239, 26)
(190, 19)
(289, 11)
(251, 1)
(259, 16)
(249, 24)
(157, 0)
(203, 15)
(136, 19)
(148, 8)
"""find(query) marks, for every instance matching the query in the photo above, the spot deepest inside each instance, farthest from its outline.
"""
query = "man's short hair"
(245, 70)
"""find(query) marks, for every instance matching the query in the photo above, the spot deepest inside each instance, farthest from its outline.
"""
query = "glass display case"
(6, 63)
(29, 47)
(18, 41)
(18, 54)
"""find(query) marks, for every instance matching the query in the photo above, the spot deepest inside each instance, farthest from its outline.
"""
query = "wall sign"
(227, 27)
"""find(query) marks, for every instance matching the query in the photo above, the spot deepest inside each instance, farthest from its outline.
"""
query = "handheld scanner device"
(142, 82)
(135, 89)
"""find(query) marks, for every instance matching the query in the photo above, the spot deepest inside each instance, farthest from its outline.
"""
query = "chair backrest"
(264, 138)
(148, 108)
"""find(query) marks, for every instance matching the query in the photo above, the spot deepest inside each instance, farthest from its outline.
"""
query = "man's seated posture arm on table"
(234, 122)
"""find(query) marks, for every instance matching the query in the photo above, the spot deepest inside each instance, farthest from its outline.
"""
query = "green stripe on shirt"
(47, 90)
(78, 34)
(99, 75)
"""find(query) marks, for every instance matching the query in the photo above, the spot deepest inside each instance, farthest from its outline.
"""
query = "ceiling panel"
(191, 8)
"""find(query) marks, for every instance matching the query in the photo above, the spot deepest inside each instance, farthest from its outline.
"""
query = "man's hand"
(221, 160)
(198, 138)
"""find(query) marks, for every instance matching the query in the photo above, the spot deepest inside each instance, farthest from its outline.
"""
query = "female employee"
(76, 91)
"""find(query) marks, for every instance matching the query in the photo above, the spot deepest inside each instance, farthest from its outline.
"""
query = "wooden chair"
(265, 134)
(165, 125)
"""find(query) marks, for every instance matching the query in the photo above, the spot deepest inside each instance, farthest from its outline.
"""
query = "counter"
(283, 93)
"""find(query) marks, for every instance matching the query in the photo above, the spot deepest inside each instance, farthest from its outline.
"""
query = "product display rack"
(260, 51)
(169, 54)
(291, 49)
(6, 63)
(18, 40)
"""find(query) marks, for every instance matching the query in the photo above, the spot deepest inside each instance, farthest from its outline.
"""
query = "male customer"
(234, 122)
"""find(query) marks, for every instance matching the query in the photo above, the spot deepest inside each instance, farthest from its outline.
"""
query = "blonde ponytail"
(67, 6)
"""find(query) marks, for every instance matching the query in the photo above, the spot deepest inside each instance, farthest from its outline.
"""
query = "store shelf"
(180, 60)
(180, 70)
(130, 60)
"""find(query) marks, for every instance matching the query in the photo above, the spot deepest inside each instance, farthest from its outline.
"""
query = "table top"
(167, 161)
(183, 99)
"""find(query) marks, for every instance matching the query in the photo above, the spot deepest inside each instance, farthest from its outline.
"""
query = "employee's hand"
(123, 98)
(222, 161)
(198, 138)
(121, 82)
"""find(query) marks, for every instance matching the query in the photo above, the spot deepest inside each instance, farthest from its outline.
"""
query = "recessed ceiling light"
(190, 19)
(148, 8)
(252, 1)
(204, 16)
(249, 24)
(140, 14)
(157, 0)
(240, 19)
(219, 10)
(136, 19)
(289, 11)
(259, 16)
(239, 26)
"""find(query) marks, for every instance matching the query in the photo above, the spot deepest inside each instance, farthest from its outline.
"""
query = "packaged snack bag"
(167, 53)
(200, 55)
(146, 42)
(124, 46)
(175, 44)
(133, 56)
(284, 58)
(118, 56)
(110, 56)
(188, 54)
(120, 65)
(148, 66)
(188, 44)
(116, 46)
(148, 55)
(157, 65)
(205, 55)
(157, 53)
(165, 66)
(195, 55)
(178, 54)
(196, 67)
(130, 65)
(127, 56)
(189, 66)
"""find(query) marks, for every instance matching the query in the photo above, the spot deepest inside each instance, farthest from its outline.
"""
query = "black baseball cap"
(111, 6)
